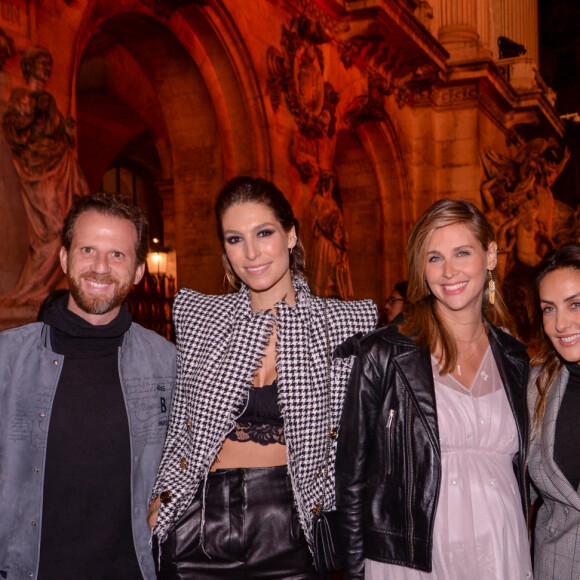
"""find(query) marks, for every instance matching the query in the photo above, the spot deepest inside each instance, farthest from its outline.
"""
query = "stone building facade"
(398, 99)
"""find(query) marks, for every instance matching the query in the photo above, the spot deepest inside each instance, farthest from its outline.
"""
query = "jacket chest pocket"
(149, 405)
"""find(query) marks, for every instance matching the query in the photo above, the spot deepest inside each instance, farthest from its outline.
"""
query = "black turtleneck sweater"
(568, 429)
(86, 516)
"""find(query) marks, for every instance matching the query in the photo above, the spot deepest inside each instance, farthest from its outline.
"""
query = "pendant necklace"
(462, 354)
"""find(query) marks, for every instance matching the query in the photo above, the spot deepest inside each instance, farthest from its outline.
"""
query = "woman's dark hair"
(245, 189)
(566, 257)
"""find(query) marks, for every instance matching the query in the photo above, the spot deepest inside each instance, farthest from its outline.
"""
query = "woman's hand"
(153, 512)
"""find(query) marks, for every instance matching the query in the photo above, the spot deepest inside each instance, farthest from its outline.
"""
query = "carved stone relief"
(314, 13)
(370, 107)
(42, 142)
(330, 265)
(296, 73)
(519, 202)
(393, 69)
(6, 48)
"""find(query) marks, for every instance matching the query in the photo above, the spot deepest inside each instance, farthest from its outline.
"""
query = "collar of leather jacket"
(507, 342)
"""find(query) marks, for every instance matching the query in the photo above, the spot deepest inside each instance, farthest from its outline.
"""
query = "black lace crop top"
(261, 420)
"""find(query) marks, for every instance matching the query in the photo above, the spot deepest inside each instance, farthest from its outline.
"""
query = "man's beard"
(98, 304)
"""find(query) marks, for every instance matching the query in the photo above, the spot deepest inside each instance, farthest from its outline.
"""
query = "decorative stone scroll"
(370, 107)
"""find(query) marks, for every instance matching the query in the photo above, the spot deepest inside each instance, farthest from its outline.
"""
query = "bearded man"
(85, 398)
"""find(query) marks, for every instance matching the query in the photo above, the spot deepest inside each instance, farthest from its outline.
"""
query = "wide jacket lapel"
(416, 374)
(561, 489)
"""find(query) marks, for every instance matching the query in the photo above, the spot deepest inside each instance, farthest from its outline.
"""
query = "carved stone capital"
(395, 68)
(369, 107)
(380, 46)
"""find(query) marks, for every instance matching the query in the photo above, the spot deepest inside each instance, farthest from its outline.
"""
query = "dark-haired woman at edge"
(554, 402)
(246, 445)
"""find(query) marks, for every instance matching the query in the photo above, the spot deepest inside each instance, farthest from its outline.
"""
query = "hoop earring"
(491, 288)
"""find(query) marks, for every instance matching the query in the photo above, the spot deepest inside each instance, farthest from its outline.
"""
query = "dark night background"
(559, 34)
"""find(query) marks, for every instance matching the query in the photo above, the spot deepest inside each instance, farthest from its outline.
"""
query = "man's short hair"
(113, 205)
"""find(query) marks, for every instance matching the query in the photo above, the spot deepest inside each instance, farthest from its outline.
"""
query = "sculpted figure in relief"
(330, 270)
(42, 144)
(519, 201)
(566, 223)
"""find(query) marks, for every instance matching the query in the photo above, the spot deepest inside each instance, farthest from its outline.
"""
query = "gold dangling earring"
(491, 287)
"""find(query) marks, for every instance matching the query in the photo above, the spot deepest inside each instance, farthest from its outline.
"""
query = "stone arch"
(376, 205)
(186, 83)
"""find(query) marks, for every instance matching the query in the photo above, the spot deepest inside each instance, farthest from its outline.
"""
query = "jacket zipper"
(389, 441)
(411, 483)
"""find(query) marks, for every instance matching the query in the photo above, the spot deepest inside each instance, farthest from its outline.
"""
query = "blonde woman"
(431, 458)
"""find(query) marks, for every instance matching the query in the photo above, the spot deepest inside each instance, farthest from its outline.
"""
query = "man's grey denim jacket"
(29, 375)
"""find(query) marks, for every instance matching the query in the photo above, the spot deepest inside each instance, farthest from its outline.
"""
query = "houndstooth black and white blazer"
(220, 343)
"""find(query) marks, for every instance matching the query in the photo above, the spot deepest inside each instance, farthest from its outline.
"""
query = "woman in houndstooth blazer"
(554, 404)
(246, 450)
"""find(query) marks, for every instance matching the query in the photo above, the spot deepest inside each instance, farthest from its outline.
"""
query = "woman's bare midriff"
(234, 454)
(249, 454)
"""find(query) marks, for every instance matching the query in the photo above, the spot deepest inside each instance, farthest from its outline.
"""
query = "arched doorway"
(375, 204)
(179, 98)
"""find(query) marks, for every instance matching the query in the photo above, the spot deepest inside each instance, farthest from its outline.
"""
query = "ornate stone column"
(464, 28)
(518, 25)
(519, 22)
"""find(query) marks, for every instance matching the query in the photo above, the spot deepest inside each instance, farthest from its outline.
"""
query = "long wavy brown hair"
(547, 360)
(421, 320)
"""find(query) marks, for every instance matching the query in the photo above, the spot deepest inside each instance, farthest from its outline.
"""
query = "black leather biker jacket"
(388, 467)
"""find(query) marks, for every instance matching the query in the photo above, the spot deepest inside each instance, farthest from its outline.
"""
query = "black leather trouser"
(251, 531)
